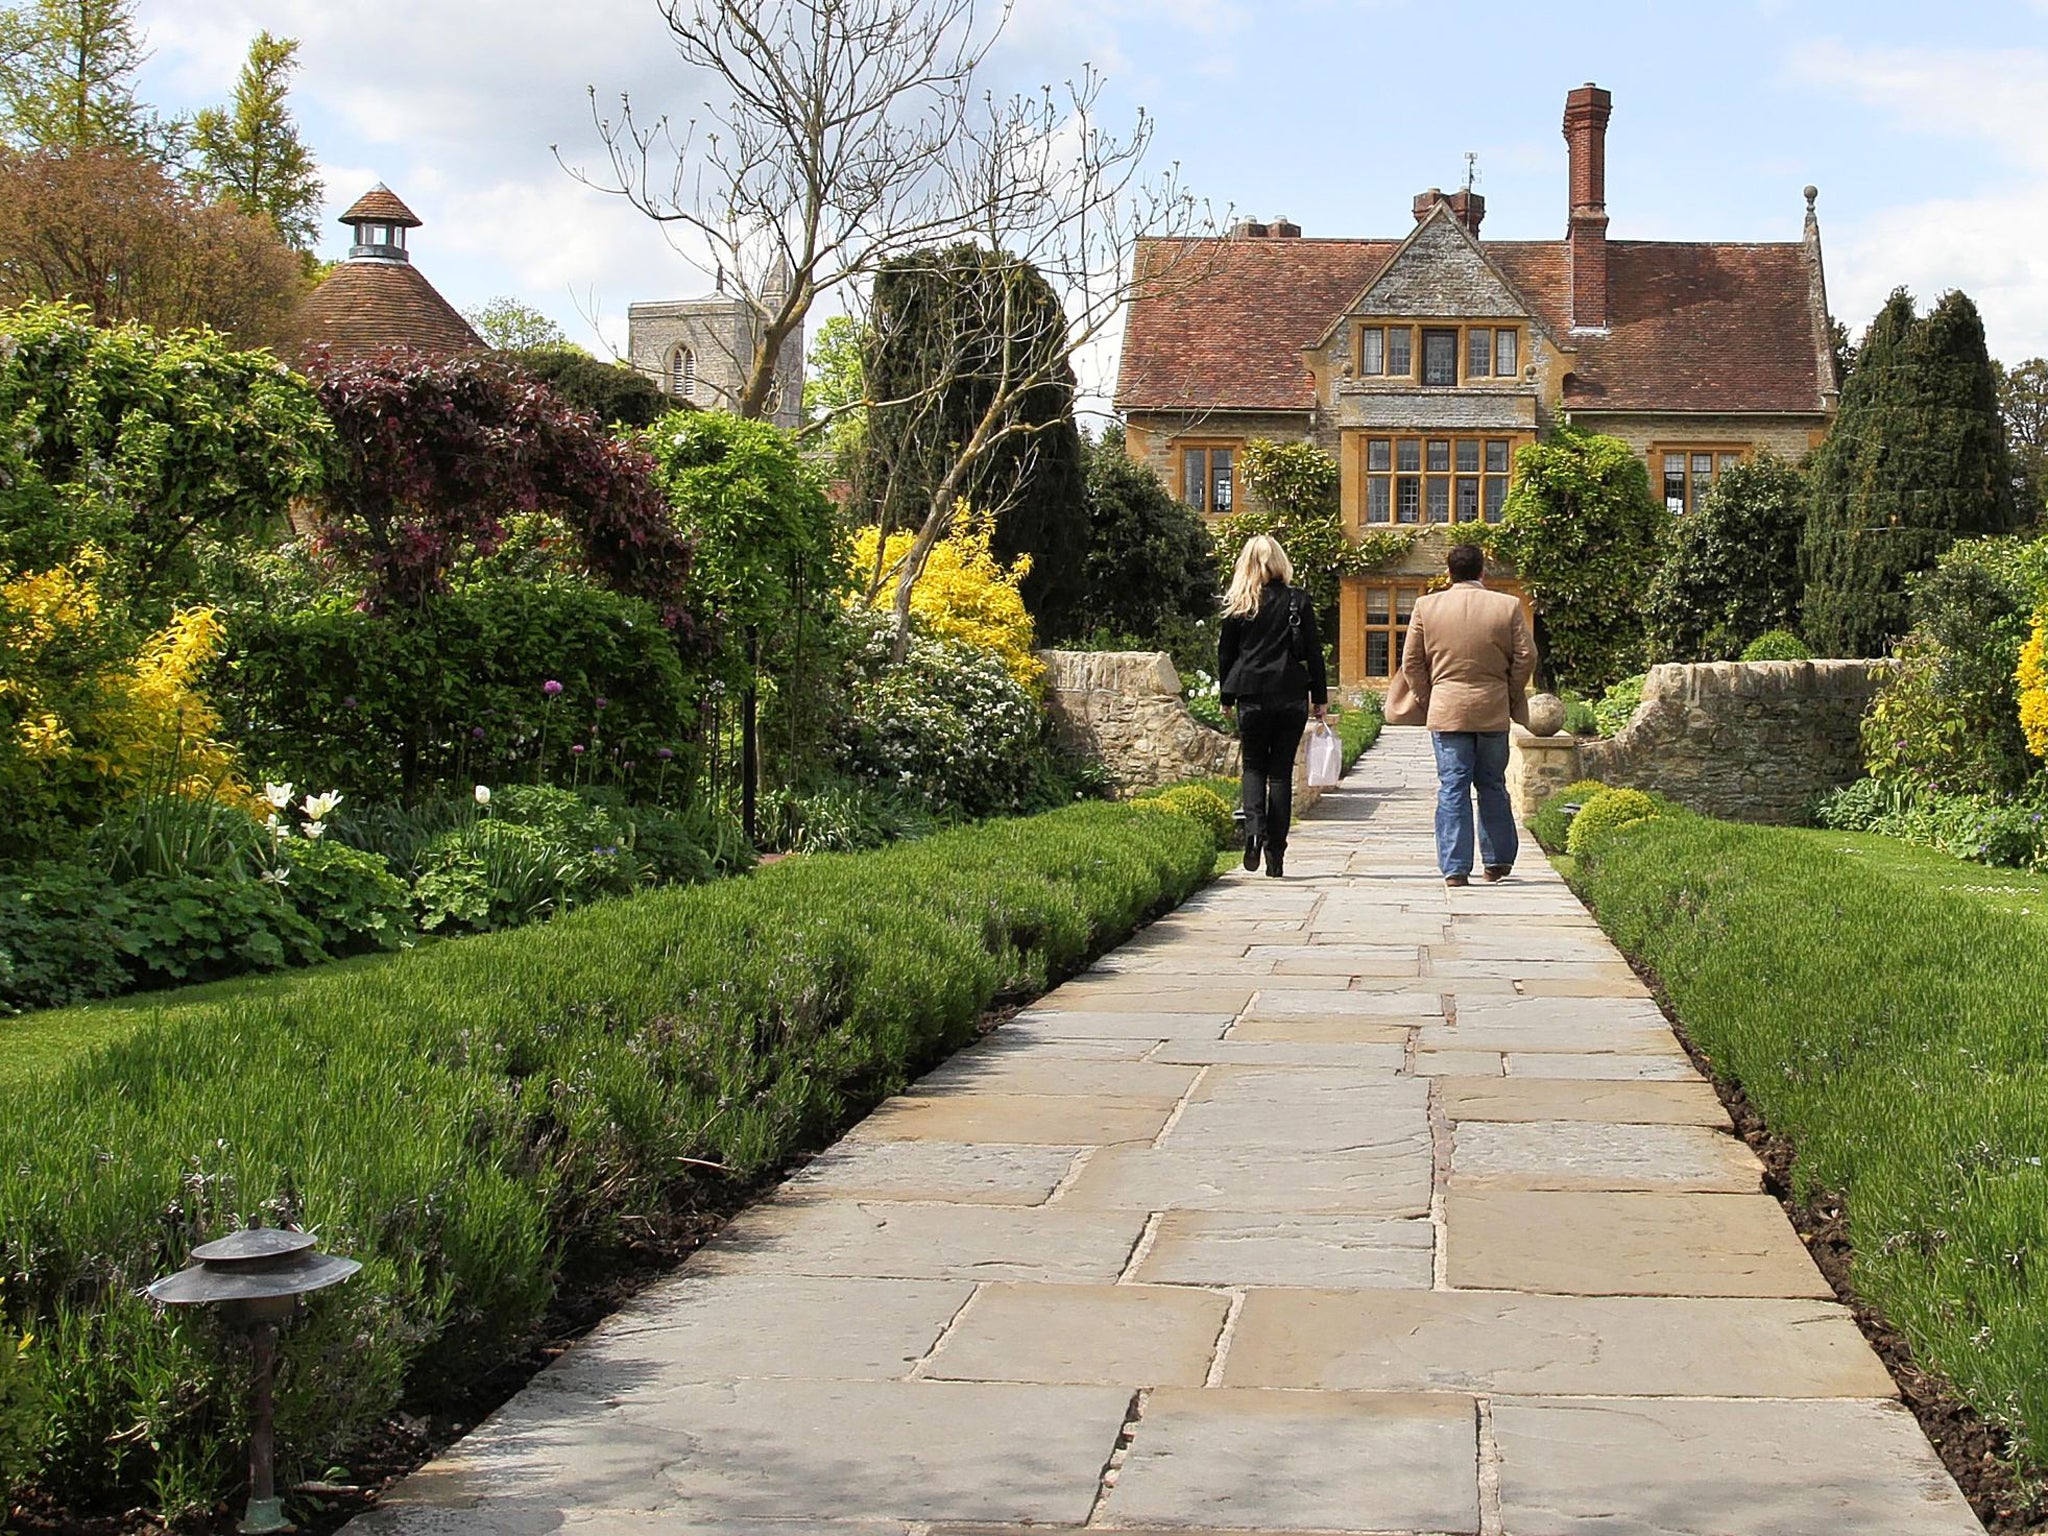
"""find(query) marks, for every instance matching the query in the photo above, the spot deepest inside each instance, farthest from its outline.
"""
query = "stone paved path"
(1344, 1204)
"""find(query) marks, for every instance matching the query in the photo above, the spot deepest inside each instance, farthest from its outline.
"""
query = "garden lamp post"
(256, 1277)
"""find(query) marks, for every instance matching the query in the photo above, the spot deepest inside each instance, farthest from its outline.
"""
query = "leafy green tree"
(250, 151)
(1150, 572)
(2023, 399)
(1586, 537)
(953, 331)
(67, 79)
(511, 326)
(139, 442)
(1733, 570)
(612, 392)
(1917, 459)
(835, 392)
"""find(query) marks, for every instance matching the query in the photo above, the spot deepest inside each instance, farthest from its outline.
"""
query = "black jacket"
(1255, 656)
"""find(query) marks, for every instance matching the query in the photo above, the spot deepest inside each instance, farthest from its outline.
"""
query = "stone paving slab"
(1488, 1341)
(1534, 1100)
(1107, 1335)
(1017, 1119)
(1340, 1204)
(1349, 1252)
(1284, 1461)
(981, 1174)
(1570, 1154)
(1608, 1244)
(1674, 1468)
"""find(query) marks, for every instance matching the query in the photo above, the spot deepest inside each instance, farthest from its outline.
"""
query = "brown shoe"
(1495, 873)
(1457, 880)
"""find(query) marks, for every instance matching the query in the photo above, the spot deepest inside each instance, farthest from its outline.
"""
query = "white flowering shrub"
(948, 726)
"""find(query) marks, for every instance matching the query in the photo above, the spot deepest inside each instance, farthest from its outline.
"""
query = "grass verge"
(1881, 1007)
(469, 1118)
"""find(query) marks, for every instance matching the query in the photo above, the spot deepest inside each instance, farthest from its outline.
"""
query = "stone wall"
(1126, 708)
(1746, 741)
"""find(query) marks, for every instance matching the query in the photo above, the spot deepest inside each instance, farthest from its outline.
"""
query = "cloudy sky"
(1922, 124)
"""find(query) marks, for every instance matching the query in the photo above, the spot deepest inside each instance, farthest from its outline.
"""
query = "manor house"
(1424, 363)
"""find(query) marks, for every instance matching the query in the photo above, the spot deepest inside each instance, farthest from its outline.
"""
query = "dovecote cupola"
(380, 221)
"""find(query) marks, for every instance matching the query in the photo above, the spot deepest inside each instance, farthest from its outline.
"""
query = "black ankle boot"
(1274, 863)
(1251, 852)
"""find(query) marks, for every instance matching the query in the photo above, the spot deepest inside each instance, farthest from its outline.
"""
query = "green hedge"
(1359, 726)
(1883, 1007)
(462, 1116)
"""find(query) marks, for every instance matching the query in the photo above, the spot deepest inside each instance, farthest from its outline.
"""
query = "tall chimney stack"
(1585, 130)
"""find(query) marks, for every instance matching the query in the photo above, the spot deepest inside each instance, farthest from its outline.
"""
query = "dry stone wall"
(1126, 708)
(1745, 741)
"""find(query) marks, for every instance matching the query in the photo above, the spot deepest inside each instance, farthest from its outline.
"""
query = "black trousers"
(1269, 731)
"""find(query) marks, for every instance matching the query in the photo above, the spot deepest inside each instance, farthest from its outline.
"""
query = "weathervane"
(1471, 168)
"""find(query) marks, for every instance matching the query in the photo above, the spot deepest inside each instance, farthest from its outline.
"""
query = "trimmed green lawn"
(1885, 1008)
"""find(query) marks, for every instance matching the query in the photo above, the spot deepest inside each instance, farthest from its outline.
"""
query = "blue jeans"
(1468, 761)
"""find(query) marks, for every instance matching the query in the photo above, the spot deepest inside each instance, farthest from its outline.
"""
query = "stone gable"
(1440, 274)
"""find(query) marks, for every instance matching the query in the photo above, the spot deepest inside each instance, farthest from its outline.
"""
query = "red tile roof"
(366, 307)
(1691, 326)
(1221, 324)
(380, 202)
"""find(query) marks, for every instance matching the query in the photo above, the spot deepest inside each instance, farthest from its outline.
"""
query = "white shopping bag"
(1325, 756)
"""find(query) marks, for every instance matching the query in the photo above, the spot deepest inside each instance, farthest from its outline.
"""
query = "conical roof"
(382, 204)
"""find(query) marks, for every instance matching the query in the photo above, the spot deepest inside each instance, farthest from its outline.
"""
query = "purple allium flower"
(601, 701)
(628, 766)
(348, 701)
(551, 687)
(477, 731)
(577, 749)
(663, 753)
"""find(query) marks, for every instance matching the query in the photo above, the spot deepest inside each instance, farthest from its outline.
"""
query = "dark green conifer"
(1916, 460)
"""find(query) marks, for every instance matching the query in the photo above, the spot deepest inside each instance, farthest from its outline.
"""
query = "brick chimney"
(1466, 206)
(1585, 130)
(1283, 228)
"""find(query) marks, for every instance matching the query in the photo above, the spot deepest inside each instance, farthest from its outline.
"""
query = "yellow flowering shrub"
(965, 593)
(86, 720)
(2033, 681)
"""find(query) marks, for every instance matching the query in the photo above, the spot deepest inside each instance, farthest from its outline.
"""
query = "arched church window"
(682, 373)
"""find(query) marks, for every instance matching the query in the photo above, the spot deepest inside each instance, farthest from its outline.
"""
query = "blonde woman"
(1270, 661)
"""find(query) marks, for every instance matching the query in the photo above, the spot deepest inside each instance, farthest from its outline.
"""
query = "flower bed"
(461, 1117)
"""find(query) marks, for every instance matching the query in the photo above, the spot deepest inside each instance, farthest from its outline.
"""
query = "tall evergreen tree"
(1732, 572)
(952, 330)
(67, 79)
(1917, 459)
(250, 151)
(1151, 568)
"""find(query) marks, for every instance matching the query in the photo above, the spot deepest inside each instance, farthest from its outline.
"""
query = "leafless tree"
(857, 132)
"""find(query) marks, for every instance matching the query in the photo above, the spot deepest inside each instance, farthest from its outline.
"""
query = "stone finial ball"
(1546, 714)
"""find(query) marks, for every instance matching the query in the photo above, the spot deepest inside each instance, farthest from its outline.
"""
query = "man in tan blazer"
(1468, 661)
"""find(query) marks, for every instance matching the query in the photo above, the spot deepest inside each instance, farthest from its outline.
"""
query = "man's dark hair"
(1465, 562)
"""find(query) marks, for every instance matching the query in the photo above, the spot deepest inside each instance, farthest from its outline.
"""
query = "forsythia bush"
(85, 719)
(965, 593)
(2033, 681)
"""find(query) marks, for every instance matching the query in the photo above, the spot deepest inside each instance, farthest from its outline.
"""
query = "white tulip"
(320, 807)
(279, 795)
(316, 830)
(483, 794)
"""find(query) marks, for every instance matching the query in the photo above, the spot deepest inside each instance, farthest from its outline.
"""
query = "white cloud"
(1994, 97)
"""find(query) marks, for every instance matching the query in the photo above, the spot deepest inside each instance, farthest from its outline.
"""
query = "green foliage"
(60, 933)
(1880, 1007)
(67, 79)
(1947, 718)
(1618, 705)
(1150, 571)
(843, 816)
(1733, 567)
(614, 393)
(1776, 645)
(1552, 823)
(485, 1107)
(1359, 726)
(138, 442)
(350, 897)
(1199, 804)
(22, 1408)
(2023, 402)
(2004, 830)
(1604, 814)
(399, 703)
(192, 927)
(835, 393)
(965, 343)
(507, 324)
(1586, 537)
(1297, 484)
(947, 726)
(250, 152)
(1916, 460)
(1581, 716)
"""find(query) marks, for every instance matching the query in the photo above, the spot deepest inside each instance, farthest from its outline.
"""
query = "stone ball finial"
(1812, 193)
(1546, 714)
